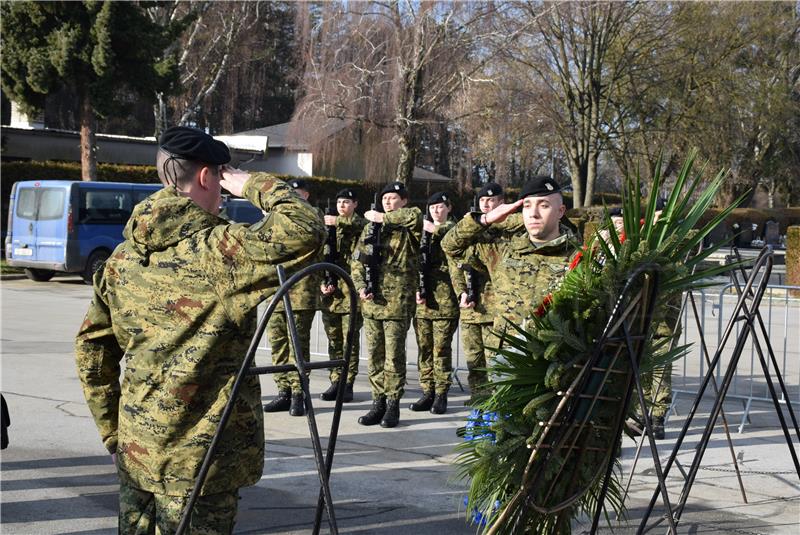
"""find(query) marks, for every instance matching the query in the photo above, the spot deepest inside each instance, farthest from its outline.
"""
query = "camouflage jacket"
(480, 257)
(348, 230)
(305, 294)
(441, 302)
(395, 296)
(176, 300)
(522, 272)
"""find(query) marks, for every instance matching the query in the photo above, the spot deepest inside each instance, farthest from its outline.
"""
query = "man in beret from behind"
(528, 266)
(177, 301)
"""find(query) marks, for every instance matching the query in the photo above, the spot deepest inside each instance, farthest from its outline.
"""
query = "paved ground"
(56, 477)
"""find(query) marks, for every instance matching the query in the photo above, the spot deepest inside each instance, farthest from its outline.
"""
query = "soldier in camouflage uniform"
(177, 301)
(304, 299)
(436, 317)
(526, 267)
(336, 299)
(477, 317)
(387, 312)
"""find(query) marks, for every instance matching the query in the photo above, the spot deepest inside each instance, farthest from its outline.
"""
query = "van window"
(50, 203)
(26, 203)
(105, 207)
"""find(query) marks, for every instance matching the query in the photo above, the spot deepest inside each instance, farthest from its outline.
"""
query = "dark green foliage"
(106, 50)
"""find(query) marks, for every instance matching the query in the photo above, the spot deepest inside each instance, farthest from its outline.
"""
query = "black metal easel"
(689, 297)
(626, 333)
(325, 464)
(742, 313)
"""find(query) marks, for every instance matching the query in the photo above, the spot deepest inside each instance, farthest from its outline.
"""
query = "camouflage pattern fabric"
(146, 513)
(441, 302)
(177, 300)
(395, 295)
(386, 344)
(435, 358)
(281, 347)
(522, 272)
(474, 338)
(305, 294)
(348, 231)
(481, 258)
(658, 383)
(336, 307)
(336, 329)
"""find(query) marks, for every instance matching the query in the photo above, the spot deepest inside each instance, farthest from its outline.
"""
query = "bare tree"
(211, 34)
(391, 67)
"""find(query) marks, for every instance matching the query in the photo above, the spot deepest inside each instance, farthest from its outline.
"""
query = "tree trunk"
(407, 155)
(88, 144)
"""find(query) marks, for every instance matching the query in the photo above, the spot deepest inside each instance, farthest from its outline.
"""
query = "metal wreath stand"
(324, 464)
(746, 311)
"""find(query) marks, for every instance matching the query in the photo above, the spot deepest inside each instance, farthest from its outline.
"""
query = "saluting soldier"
(387, 312)
(479, 261)
(527, 267)
(177, 301)
(305, 301)
(436, 317)
(336, 299)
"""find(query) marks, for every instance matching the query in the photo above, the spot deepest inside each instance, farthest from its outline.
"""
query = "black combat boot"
(330, 393)
(348, 393)
(280, 403)
(424, 403)
(392, 416)
(439, 404)
(297, 407)
(658, 427)
(376, 413)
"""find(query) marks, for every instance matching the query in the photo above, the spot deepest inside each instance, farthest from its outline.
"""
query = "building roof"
(280, 136)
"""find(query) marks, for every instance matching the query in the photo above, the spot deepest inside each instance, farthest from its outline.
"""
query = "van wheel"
(39, 275)
(96, 259)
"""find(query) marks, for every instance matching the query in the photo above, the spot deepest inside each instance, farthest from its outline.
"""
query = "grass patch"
(6, 269)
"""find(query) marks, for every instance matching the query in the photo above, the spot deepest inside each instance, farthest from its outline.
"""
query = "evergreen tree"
(104, 51)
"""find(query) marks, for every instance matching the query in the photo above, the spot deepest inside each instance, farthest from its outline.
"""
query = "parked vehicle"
(72, 227)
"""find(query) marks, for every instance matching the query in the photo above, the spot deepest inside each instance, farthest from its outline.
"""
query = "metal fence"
(780, 312)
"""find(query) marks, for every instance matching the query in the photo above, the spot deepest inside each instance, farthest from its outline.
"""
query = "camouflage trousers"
(475, 337)
(146, 513)
(658, 384)
(435, 357)
(386, 345)
(282, 352)
(336, 328)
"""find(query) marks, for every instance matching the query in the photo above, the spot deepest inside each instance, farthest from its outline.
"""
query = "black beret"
(661, 203)
(539, 186)
(615, 212)
(439, 197)
(395, 187)
(491, 189)
(299, 183)
(347, 193)
(194, 144)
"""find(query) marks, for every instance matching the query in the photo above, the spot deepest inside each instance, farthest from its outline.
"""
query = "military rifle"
(470, 274)
(372, 260)
(425, 257)
(331, 252)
